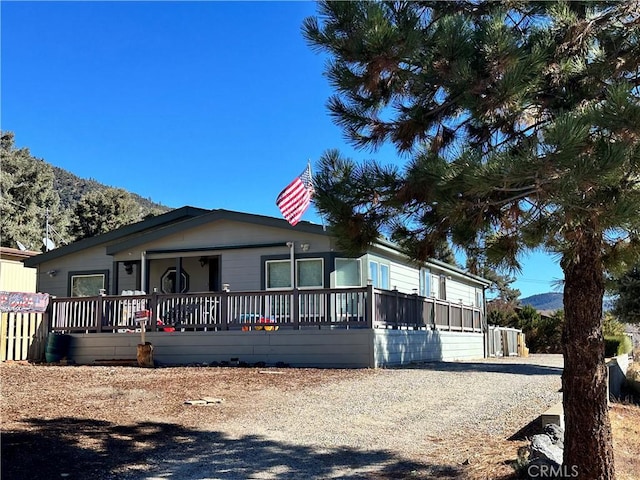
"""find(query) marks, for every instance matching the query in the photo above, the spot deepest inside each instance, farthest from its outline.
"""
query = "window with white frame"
(479, 297)
(348, 273)
(379, 274)
(309, 273)
(278, 274)
(425, 282)
(384, 276)
(87, 285)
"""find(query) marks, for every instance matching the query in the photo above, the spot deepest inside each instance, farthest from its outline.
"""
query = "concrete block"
(554, 415)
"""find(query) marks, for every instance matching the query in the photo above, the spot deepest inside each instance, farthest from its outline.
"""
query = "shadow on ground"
(74, 448)
(514, 368)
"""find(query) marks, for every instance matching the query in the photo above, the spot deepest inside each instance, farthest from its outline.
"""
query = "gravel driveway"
(280, 424)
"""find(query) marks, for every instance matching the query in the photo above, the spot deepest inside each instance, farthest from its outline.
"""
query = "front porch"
(355, 327)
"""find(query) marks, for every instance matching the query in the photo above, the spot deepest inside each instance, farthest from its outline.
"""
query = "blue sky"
(210, 104)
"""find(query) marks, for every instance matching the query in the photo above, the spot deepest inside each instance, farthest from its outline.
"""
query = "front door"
(214, 274)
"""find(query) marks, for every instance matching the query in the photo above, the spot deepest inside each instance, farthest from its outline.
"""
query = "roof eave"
(169, 217)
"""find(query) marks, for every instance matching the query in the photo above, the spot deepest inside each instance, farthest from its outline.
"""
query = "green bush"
(611, 327)
(617, 345)
(544, 334)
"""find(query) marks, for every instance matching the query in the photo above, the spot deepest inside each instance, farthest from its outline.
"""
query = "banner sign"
(23, 302)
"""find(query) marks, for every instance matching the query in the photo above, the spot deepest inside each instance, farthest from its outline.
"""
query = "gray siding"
(321, 348)
(398, 347)
(305, 348)
(226, 233)
(242, 268)
(460, 293)
(92, 259)
(404, 277)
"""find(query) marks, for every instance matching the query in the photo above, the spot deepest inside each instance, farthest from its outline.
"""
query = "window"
(424, 282)
(384, 276)
(87, 285)
(309, 273)
(479, 297)
(373, 274)
(348, 272)
(278, 274)
(442, 290)
(379, 275)
(168, 281)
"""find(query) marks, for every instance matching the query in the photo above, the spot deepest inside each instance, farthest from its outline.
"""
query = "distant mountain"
(72, 188)
(544, 301)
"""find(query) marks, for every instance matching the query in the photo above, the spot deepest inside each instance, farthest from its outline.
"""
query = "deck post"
(396, 311)
(369, 306)
(296, 309)
(153, 306)
(224, 307)
(435, 313)
(99, 312)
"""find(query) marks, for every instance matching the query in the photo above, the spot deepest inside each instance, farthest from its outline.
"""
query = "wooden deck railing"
(339, 307)
(395, 309)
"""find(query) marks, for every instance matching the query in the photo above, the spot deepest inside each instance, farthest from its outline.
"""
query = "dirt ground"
(116, 422)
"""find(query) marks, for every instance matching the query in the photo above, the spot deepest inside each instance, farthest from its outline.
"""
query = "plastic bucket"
(57, 347)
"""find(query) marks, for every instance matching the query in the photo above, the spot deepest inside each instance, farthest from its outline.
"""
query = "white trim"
(266, 274)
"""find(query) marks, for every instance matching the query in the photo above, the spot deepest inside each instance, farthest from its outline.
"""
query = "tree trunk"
(588, 443)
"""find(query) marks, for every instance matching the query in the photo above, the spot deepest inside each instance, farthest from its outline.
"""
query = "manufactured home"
(218, 285)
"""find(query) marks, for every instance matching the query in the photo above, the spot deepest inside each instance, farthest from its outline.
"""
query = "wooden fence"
(502, 341)
(210, 311)
(23, 336)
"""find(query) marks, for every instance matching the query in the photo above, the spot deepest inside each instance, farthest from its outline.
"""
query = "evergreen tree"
(611, 326)
(626, 305)
(101, 211)
(522, 121)
(27, 198)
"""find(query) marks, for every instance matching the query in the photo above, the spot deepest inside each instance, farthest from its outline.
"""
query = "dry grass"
(625, 423)
(494, 457)
(96, 391)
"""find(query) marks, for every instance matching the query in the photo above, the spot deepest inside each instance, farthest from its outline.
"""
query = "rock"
(542, 447)
(556, 434)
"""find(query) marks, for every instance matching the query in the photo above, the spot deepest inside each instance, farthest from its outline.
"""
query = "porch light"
(304, 247)
(203, 261)
(52, 273)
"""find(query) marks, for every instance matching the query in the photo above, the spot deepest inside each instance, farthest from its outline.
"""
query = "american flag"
(294, 200)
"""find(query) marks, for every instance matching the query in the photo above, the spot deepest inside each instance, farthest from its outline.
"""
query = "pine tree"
(522, 122)
(101, 211)
(626, 305)
(27, 198)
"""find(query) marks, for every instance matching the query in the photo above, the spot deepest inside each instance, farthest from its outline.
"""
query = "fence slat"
(21, 335)
(4, 338)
